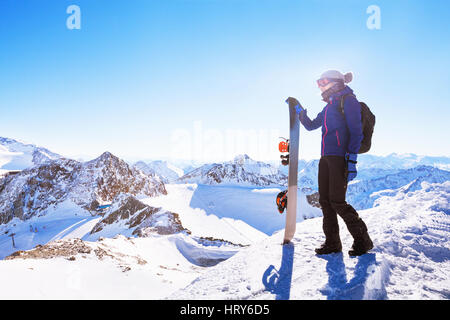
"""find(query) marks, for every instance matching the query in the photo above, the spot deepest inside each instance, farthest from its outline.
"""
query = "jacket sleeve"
(352, 110)
(311, 124)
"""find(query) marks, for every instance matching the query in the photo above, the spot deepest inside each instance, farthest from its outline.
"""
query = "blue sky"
(141, 77)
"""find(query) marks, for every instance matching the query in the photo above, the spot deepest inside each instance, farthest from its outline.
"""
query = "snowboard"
(294, 136)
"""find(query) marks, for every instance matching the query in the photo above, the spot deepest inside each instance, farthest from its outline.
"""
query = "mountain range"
(165, 170)
(242, 170)
(88, 185)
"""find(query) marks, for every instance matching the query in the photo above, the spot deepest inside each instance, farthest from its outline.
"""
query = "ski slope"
(63, 221)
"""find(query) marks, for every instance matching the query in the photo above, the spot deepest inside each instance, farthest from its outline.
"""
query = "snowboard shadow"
(338, 288)
(279, 281)
(258, 210)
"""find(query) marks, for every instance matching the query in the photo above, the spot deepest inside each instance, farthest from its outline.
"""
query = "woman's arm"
(311, 124)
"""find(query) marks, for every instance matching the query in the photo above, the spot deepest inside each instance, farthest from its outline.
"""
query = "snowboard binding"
(282, 201)
(283, 147)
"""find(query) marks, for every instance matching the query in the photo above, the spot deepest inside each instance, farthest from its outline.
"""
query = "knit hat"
(334, 74)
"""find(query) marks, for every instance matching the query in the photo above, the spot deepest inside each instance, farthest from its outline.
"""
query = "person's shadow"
(338, 288)
(279, 281)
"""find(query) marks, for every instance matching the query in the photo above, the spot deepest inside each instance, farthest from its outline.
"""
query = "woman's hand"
(350, 159)
(294, 102)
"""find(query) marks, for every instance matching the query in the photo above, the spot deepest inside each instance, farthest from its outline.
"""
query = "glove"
(350, 159)
(294, 102)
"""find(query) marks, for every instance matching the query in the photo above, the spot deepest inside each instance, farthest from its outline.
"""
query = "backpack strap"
(341, 108)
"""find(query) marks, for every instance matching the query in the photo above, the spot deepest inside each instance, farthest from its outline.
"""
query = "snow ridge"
(17, 155)
(167, 172)
(242, 170)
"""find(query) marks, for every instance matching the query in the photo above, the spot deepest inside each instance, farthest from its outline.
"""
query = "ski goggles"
(323, 82)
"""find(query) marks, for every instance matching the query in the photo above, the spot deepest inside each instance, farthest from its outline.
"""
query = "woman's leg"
(330, 221)
(338, 188)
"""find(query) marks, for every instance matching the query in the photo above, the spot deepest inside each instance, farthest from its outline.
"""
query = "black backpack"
(368, 124)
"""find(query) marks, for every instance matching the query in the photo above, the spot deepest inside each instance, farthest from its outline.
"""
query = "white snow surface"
(199, 215)
(138, 268)
(410, 260)
(238, 214)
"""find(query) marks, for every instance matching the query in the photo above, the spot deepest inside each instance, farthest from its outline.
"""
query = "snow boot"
(328, 247)
(361, 245)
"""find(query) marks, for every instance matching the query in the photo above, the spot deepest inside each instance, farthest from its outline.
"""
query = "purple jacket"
(339, 134)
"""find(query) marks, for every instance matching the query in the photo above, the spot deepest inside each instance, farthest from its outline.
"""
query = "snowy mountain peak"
(4, 141)
(144, 167)
(241, 171)
(87, 185)
(106, 158)
(107, 155)
(18, 155)
(242, 159)
(166, 171)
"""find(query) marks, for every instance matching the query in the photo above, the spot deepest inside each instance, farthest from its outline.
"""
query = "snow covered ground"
(200, 220)
(411, 258)
(410, 230)
(234, 213)
(64, 221)
(118, 268)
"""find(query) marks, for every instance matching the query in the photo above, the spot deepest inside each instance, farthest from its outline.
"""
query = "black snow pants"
(332, 189)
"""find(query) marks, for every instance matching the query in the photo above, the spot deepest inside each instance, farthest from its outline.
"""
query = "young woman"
(341, 140)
